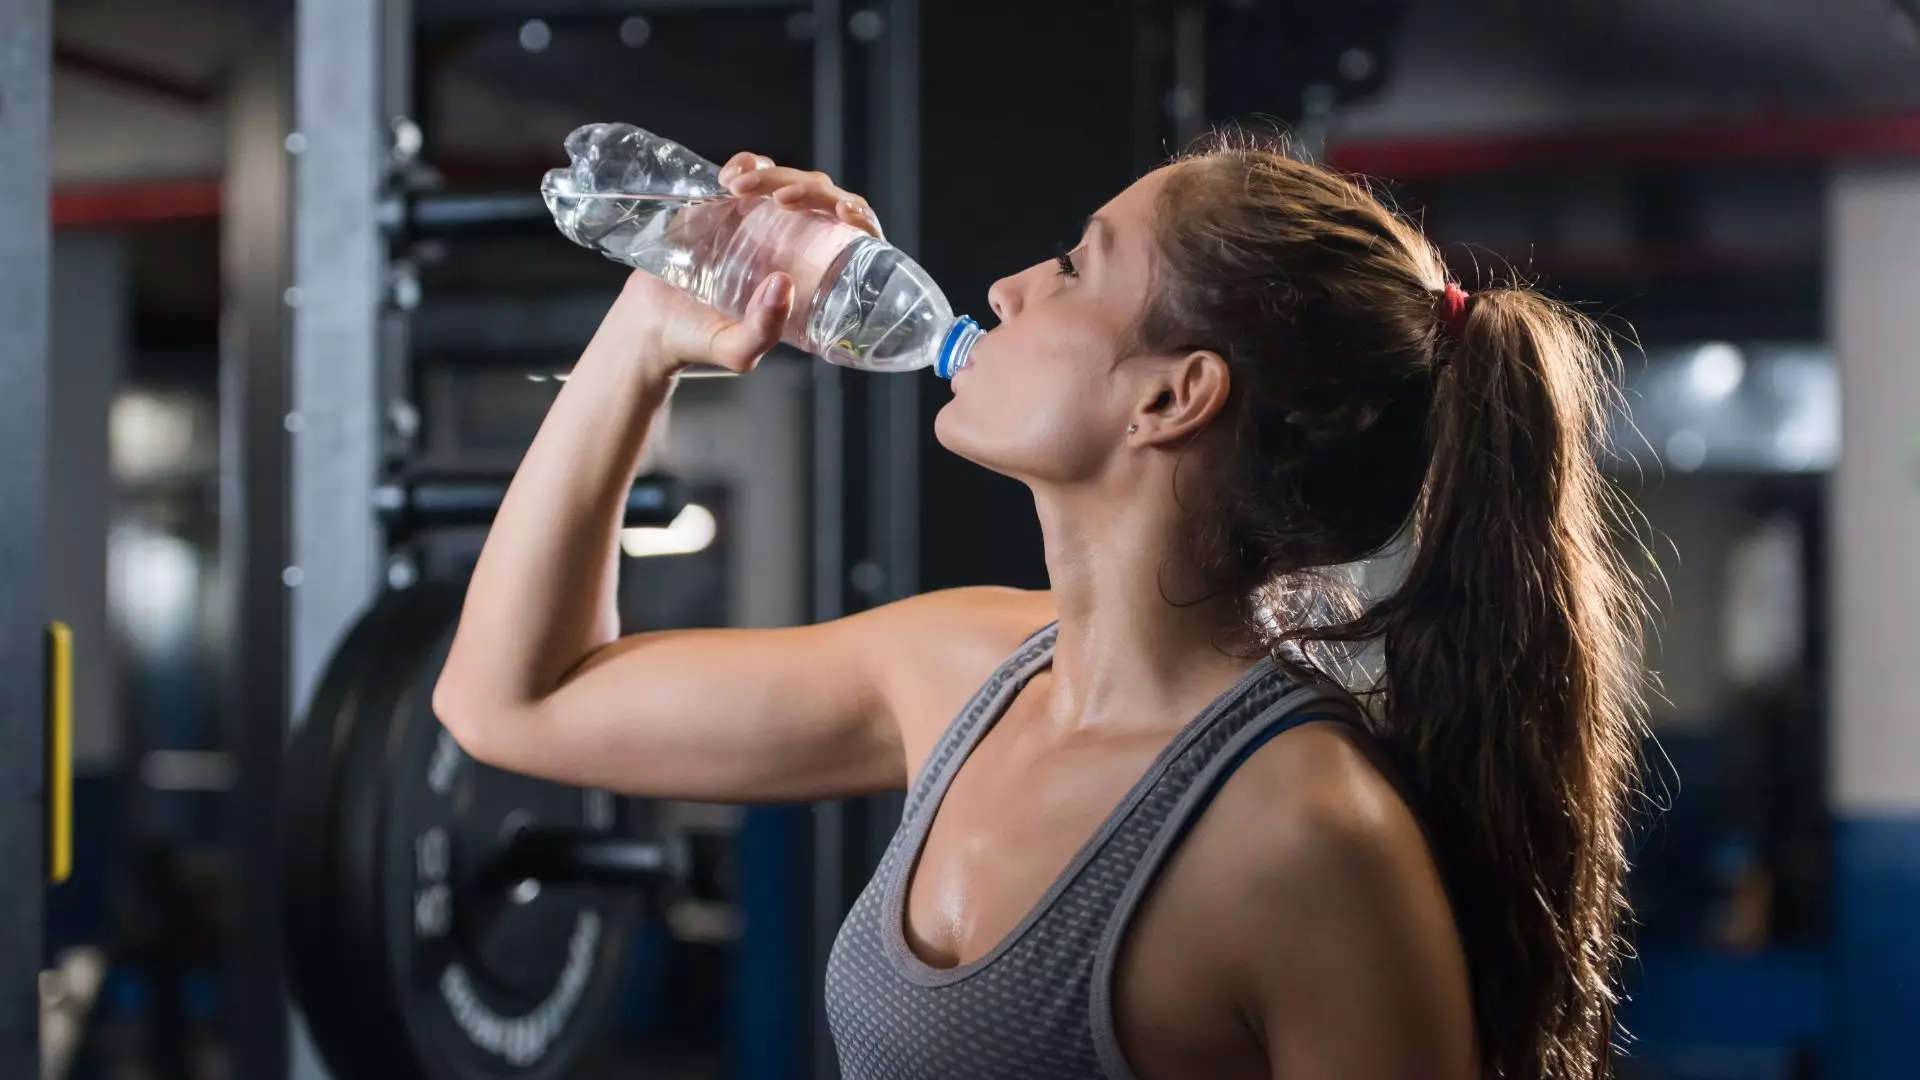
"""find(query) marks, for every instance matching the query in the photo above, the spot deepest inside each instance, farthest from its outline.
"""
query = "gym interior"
(282, 308)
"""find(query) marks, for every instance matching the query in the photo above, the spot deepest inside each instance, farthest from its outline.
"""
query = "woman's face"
(1044, 395)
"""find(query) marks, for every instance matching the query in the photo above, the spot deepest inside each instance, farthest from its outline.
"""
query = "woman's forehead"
(1136, 203)
(1126, 241)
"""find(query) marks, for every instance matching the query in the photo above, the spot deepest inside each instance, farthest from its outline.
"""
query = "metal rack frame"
(314, 352)
(26, 64)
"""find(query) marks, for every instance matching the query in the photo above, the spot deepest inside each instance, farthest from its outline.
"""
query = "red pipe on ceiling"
(1783, 140)
(121, 204)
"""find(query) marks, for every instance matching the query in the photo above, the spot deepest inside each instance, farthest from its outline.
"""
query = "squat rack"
(315, 370)
(26, 51)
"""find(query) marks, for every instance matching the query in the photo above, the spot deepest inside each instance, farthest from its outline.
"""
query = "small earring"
(1131, 428)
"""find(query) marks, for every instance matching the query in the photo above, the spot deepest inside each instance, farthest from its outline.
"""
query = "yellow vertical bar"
(59, 753)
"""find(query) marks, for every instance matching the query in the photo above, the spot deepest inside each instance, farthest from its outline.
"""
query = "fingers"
(747, 174)
(855, 212)
(744, 161)
(768, 179)
(738, 344)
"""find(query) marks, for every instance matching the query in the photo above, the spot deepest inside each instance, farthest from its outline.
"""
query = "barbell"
(446, 919)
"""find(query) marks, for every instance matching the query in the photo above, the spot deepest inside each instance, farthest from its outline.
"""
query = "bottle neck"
(957, 348)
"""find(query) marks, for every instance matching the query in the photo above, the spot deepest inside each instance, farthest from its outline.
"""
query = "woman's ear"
(1184, 397)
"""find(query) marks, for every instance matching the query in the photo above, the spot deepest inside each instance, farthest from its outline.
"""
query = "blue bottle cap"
(958, 344)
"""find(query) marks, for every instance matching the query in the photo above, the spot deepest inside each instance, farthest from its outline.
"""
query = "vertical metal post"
(1149, 48)
(91, 311)
(1873, 261)
(1189, 99)
(253, 536)
(874, 541)
(398, 104)
(895, 425)
(351, 69)
(26, 60)
(829, 57)
(894, 120)
(829, 549)
(339, 280)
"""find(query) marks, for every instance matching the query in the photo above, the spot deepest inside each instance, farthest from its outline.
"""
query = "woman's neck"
(1134, 649)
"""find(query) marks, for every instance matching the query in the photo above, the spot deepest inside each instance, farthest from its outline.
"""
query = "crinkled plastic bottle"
(654, 205)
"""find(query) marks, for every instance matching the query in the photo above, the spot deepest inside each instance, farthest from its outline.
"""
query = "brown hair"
(1509, 686)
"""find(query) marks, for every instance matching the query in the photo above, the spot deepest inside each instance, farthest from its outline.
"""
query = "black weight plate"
(321, 969)
(385, 816)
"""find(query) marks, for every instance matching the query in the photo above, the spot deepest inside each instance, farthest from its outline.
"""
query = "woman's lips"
(973, 356)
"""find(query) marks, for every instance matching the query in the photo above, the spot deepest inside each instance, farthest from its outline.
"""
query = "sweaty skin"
(1300, 930)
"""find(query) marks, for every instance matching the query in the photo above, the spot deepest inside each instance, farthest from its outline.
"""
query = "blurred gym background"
(263, 264)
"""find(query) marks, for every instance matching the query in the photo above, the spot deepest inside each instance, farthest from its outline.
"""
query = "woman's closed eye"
(1065, 262)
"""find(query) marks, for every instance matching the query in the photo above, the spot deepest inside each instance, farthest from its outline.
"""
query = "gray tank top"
(1039, 1004)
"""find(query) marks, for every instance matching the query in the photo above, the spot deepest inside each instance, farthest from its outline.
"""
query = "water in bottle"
(656, 206)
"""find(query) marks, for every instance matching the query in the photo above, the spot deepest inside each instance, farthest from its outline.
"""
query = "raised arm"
(538, 680)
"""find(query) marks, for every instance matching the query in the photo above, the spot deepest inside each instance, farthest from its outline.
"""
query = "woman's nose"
(1003, 298)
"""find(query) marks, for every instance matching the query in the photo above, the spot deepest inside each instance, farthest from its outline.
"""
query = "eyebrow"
(1106, 231)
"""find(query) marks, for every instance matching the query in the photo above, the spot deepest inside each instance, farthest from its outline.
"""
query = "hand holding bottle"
(717, 234)
(666, 330)
(673, 330)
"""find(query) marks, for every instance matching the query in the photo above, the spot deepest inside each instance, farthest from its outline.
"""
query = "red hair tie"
(1454, 311)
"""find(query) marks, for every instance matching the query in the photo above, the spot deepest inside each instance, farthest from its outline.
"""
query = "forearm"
(542, 596)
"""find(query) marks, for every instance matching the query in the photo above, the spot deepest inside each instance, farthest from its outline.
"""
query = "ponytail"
(1511, 686)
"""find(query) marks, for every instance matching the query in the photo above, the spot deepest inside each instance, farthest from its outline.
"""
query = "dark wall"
(1028, 126)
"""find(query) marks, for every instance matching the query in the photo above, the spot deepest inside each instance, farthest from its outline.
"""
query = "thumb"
(739, 344)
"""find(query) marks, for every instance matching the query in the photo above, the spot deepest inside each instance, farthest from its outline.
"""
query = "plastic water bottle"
(654, 205)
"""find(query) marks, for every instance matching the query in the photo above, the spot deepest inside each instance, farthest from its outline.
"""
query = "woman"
(1158, 841)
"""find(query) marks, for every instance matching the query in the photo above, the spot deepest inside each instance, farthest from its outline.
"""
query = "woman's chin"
(943, 428)
(950, 431)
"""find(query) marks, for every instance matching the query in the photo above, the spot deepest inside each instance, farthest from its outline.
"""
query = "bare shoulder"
(971, 625)
(1318, 782)
(1309, 799)
(997, 608)
(953, 640)
(1320, 851)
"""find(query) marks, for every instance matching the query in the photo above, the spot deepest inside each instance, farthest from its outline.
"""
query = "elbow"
(447, 706)
(474, 726)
